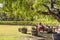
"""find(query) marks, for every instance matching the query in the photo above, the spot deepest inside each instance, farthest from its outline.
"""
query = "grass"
(10, 32)
(7, 38)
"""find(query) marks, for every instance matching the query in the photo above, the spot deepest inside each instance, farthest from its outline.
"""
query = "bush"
(22, 23)
(18, 22)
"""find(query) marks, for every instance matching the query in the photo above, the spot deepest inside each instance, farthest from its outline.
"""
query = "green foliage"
(26, 10)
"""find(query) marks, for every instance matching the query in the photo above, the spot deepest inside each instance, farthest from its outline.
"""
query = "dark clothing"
(56, 36)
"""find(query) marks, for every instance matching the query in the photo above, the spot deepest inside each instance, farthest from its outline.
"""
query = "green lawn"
(10, 32)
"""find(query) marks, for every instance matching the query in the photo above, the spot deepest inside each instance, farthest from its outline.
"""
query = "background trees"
(27, 10)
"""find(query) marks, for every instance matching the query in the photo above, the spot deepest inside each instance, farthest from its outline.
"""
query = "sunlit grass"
(10, 32)
(8, 38)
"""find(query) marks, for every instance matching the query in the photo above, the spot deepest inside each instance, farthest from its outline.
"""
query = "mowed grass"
(10, 32)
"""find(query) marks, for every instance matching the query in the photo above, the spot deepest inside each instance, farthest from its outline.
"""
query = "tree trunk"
(55, 15)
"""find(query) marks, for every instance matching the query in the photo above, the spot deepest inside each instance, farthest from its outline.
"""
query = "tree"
(4, 16)
(27, 8)
(51, 10)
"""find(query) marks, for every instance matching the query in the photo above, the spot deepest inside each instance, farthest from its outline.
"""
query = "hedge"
(25, 23)
(18, 22)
